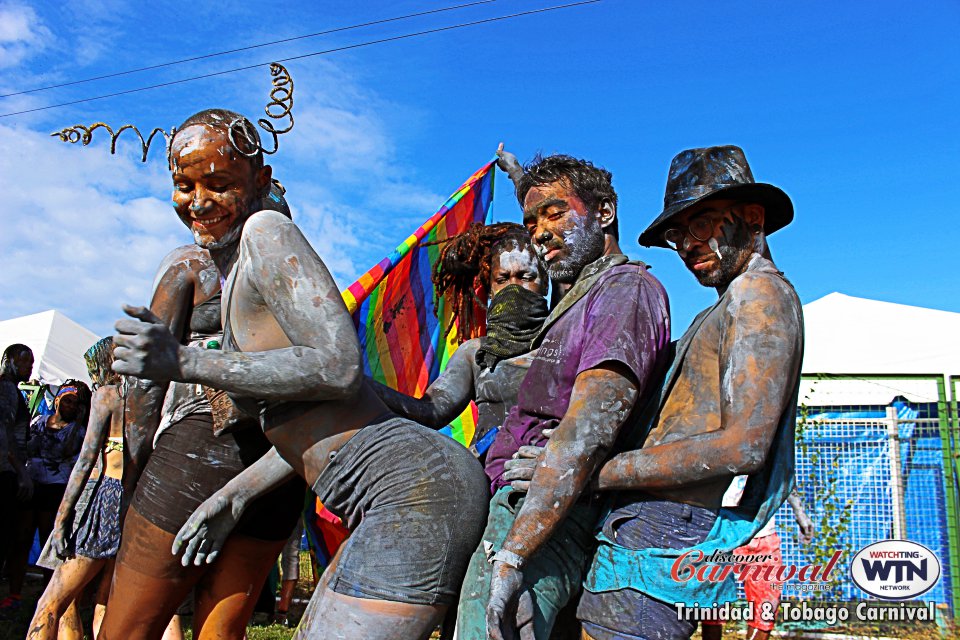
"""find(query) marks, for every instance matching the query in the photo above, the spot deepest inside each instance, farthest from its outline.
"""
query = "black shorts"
(415, 502)
(190, 464)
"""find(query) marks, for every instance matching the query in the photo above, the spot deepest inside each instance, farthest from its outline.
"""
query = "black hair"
(592, 184)
(243, 135)
(463, 269)
(9, 355)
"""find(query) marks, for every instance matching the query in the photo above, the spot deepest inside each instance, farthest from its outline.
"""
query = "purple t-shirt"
(624, 317)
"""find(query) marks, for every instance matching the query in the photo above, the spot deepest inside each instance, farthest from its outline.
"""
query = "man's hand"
(145, 346)
(24, 485)
(518, 471)
(206, 530)
(510, 609)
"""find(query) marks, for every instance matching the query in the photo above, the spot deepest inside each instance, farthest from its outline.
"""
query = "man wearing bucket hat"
(727, 407)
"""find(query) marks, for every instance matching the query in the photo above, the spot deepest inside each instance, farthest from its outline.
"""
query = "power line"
(253, 46)
(306, 55)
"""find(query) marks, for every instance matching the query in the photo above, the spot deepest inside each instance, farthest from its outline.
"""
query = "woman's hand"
(207, 529)
(145, 348)
(60, 538)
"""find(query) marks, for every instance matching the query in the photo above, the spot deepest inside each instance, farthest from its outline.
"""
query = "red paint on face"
(214, 186)
(566, 232)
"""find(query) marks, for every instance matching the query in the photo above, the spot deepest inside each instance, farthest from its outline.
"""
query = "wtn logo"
(902, 569)
(895, 569)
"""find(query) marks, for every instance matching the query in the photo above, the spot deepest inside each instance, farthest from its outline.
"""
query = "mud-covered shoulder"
(107, 398)
(184, 264)
(768, 295)
(763, 285)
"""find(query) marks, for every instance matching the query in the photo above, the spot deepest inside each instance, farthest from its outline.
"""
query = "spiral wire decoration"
(83, 134)
(280, 107)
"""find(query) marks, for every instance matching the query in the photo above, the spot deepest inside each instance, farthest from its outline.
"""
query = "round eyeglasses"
(700, 228)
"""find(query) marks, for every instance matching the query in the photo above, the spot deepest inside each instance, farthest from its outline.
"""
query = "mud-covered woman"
(176, 460)
(86, 532)
(414, 499)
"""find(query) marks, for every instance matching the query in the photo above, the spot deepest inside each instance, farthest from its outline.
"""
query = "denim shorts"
(415, 502)
(628, 614)
(553, 575)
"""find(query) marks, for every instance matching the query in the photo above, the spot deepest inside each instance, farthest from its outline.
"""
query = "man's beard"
(585, 244)
(735, 251)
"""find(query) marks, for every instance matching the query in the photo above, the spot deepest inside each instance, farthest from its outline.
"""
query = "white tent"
(848, 335)
(58, 344)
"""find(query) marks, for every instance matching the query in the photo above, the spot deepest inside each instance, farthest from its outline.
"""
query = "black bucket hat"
(716, 172)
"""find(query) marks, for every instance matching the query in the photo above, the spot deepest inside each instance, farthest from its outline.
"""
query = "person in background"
(289, 574)
(52, 449)
(500, 262)
(16, 486)
(86, 531)
(762, 595)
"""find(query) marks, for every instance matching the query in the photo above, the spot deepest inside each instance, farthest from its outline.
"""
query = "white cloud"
(84, 231)
(22, 34)
(79, 235)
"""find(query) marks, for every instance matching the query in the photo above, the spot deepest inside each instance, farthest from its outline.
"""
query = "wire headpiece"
(279, 108)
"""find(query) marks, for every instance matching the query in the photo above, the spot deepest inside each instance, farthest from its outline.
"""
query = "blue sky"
(852, 108)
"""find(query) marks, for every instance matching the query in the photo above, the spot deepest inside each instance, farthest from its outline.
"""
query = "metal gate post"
(896, 479)
(947, 425)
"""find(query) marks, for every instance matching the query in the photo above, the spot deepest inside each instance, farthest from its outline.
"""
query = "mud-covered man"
(597, 351)
(728, 405)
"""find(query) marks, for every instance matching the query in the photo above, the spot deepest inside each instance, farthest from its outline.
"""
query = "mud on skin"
(297, 351)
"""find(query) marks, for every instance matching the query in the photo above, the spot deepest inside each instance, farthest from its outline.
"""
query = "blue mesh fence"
(844, 475)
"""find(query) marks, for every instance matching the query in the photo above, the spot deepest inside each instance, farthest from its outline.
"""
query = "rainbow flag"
(406, 345)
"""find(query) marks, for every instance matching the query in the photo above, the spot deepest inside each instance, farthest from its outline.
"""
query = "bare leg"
(286, 597)
(148, 583)
(103, 594)
(99, 610)
(71, 627)
(228, 592)
(338, 617)
(174, 630)
(67, 584)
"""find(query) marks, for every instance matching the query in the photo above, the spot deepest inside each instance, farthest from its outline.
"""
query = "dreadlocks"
(99, 360)
(464, 270)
